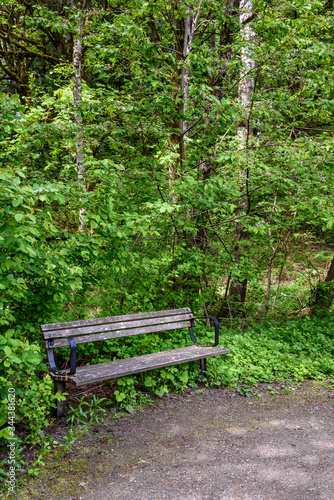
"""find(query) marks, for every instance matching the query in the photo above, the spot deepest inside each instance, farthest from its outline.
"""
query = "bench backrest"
(92, 330)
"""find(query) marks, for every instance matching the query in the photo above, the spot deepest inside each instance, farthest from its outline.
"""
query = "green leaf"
(7, 350)
(19, 217)
(6, 433)
(3, 418)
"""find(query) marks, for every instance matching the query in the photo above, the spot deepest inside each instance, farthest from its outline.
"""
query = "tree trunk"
(246, 86)
(238, 288)
(185, 33)
(226, 38)
(323, 295)
(218, 83)
(184, 84)
(77, 100)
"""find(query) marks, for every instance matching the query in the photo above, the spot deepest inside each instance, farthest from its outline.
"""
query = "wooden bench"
(99, 329)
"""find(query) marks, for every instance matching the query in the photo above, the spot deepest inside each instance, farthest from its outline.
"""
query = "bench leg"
(61, 405)
(202, 367)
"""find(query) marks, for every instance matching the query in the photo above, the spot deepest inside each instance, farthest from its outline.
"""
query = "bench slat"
(124, 326)
(113, 319)
(122, 333)
(122, 367)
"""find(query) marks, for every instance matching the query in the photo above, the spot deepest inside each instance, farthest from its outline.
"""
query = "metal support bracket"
(73, 358)
(191, 331)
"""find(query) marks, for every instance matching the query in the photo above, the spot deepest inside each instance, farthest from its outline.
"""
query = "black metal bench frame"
(92, 330)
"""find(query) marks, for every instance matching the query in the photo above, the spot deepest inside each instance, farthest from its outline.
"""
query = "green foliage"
(272, 390)
(21, 367)
(69, 440)
(20, 362)
(87, 412)
(36, 272)
(163, 207)
(128, 397)
(248, 392)
(298, 350)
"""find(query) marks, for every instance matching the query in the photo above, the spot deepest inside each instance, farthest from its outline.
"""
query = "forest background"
(156, 155)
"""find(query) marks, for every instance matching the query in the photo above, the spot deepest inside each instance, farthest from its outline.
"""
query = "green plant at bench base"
(87, 412)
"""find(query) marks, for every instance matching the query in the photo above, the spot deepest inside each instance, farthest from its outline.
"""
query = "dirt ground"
(210, 444)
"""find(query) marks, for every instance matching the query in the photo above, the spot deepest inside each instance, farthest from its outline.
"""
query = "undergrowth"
(300, 349)
(297, 349)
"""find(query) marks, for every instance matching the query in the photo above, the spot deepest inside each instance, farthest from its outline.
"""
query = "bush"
(21, 365)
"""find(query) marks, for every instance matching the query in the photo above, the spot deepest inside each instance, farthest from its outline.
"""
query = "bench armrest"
(73, 358)
(191, 331)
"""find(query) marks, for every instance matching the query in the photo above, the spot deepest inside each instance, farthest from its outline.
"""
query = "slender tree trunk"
(238, 288)
(77, 101)
(226, 38)
(185, 33)
(270, 263)
(246, 85)
(220, 46)
(280, 274)
(270, 270)
(23, 84)
(190, 25)
(184, 86)
(323, 295)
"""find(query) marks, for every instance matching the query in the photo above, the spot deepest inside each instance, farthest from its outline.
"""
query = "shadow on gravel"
(214, 445)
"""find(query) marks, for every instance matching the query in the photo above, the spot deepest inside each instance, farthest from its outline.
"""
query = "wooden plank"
(113, 319)
(88, 330)
(121, 333)
(122, 367)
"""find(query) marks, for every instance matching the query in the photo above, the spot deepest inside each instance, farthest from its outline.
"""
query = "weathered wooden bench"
(92, 330)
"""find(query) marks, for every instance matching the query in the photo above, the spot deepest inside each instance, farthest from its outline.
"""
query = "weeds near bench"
(87, 412)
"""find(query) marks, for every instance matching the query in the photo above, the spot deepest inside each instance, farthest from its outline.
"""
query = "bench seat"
(129, 366)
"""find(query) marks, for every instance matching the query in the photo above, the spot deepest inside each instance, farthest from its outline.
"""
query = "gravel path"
(212, 445)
